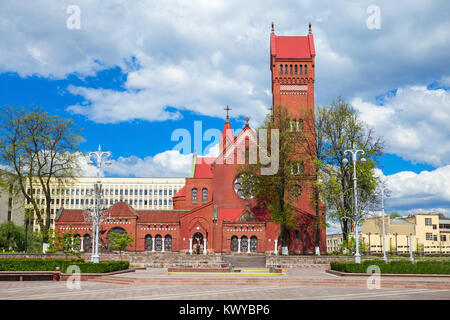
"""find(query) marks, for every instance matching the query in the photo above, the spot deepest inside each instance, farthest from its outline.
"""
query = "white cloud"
(194, 85)
(414, 123)
(165, 164)
(206, 54)
(427, 191)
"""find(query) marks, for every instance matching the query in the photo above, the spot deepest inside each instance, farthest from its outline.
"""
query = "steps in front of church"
(242, 261)
(114, 280)
(278, 281)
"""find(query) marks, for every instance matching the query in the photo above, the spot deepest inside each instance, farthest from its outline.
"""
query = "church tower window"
(204, 195)
(306, 69)
(194, 195)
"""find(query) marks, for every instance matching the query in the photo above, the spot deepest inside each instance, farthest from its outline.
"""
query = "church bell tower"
(292, 66)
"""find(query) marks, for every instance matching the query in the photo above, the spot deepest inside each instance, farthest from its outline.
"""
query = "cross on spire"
(228, 109)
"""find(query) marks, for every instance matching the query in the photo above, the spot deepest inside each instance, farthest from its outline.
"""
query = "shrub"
(51, 264)
(395, 267)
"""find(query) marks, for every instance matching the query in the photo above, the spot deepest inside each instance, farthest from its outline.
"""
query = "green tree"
(66, 242)
(314, 149)
(40, 150)
(394, 215)
(278, 192)
(10, 237)
(120, 241)
(342, 129)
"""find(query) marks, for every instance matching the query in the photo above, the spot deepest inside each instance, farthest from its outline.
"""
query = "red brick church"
(210, 210)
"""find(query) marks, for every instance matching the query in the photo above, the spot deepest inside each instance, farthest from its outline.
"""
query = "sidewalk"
(292, 277)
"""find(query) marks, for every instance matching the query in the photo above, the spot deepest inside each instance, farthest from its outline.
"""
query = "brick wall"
(305, 261)
(165, 260)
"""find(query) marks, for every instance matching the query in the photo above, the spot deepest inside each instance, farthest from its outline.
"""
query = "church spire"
(273, 29)
(310, 30)
(228, 109)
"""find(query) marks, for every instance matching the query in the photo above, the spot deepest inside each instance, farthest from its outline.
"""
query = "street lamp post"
(354, 153)
(411, 257)
(98, 155)
(384, 232)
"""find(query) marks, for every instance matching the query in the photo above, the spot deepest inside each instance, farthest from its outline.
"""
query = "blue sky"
(137, 70)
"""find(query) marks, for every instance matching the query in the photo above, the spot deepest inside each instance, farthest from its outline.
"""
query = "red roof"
(158, 216)
(230, 214)
(203, 167)
(121, 209)
(294, 47)
(70, 215)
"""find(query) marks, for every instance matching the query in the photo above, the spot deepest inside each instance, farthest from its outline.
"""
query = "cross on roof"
(227, 109)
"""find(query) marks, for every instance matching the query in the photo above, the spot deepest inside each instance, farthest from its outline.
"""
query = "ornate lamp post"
(96, 212)
(384, 232)
(354, 153)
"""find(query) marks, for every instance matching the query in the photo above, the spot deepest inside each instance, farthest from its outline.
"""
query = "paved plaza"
(295, 284)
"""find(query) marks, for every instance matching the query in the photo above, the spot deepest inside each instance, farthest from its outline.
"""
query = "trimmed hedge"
(51, 264)
(396, 267)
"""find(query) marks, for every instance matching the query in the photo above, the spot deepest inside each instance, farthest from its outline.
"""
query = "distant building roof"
(400, 221)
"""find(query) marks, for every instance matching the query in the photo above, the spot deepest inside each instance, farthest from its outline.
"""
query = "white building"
(141, 193)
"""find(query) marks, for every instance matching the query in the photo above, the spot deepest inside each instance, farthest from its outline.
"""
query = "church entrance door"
(197, 242)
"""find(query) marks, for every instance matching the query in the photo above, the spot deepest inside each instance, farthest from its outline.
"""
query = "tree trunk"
(284, 240)
(26, 235)
(318, 222)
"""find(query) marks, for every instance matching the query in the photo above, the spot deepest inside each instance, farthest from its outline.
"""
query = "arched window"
(244, 244)
(295, 68)
(148, 242)
(86, 242)
(286, 68)
(281, 68)
(300, 69)
(204, 195)
(194, 195)
(158, 243)
(306, 69)
(253, 244)
(234, 244)
(168, 243)
(290, 68)
(77, 237)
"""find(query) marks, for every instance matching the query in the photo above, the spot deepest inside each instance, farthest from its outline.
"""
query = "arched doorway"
(148, 242)
(234, 244)
(168, 243)
(244, 244)
(197, 242)
(77, 238)
(253, 244)
(86, 242)
(158, 242)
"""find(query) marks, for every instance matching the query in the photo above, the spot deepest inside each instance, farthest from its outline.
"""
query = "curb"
(403, 275)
